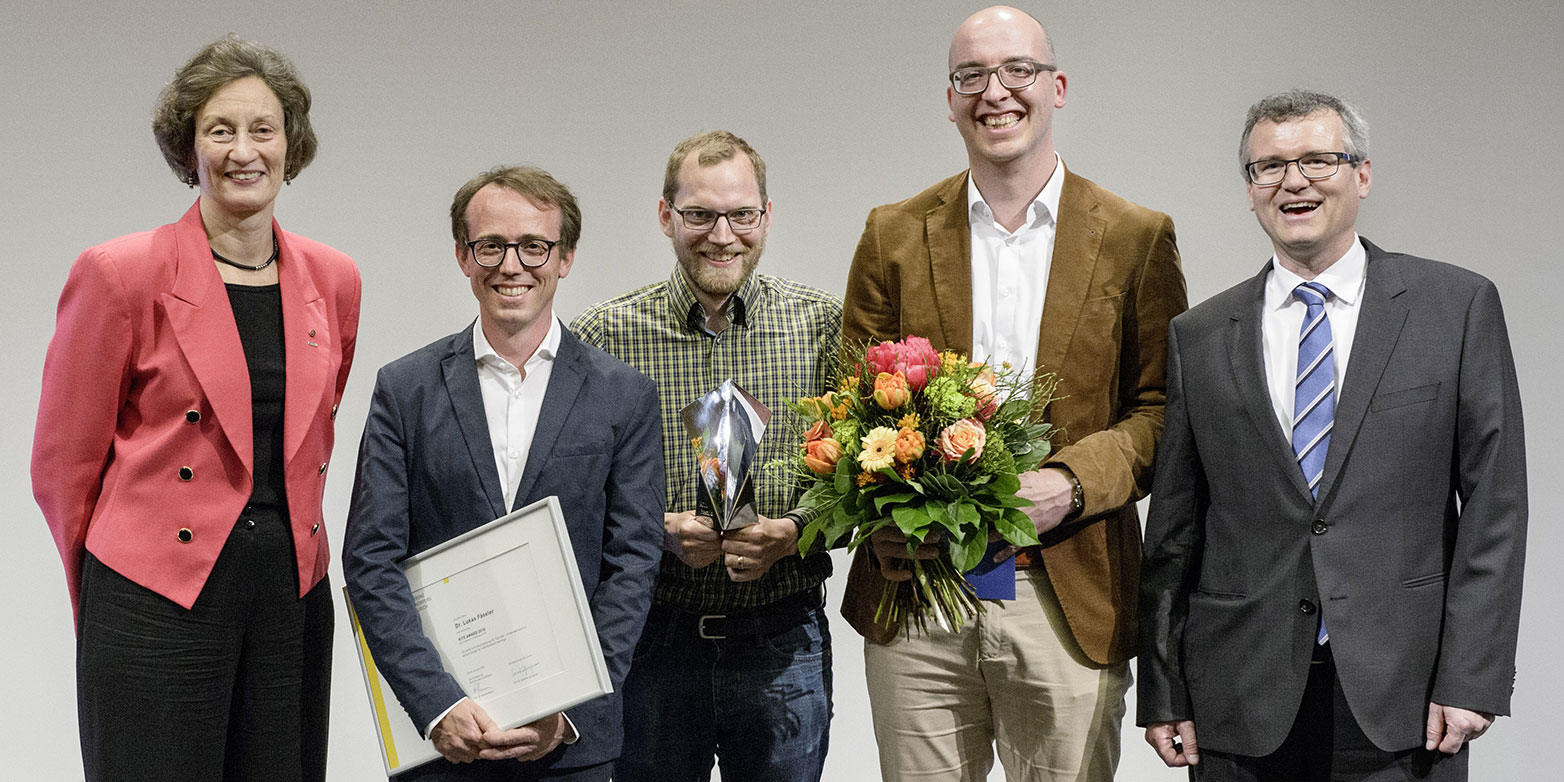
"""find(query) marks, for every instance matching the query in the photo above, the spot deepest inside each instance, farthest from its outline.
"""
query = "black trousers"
(1327, 745)
(236, 688)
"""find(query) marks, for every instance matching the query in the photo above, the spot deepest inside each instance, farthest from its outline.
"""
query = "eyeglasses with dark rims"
(1013, 75)
(739, 220)
(1314, 166)
(490, 253)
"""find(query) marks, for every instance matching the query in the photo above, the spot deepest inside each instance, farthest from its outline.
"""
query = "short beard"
(715, 282)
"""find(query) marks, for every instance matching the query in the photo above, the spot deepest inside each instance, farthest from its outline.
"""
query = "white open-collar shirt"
(1010, 275)
(512, 400)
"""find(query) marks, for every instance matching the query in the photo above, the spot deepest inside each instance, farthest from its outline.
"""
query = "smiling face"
(1310, 222)
(514, 301)
(716, 261)
(240, 149)
(1004, 128)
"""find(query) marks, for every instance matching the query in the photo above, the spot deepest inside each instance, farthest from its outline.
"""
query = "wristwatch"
(1077, 496)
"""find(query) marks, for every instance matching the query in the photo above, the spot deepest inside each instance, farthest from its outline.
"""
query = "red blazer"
(143, 446)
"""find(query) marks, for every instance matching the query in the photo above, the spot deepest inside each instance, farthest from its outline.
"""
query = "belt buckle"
(700, 627)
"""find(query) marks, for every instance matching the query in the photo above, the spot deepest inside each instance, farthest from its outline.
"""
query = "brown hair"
(218, 64)
(711, 148)
(534, 183)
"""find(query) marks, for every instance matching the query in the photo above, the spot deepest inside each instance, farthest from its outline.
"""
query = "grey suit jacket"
(1414, 548)
(426, 474)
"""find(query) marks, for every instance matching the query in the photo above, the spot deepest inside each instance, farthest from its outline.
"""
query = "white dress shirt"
(512, 400)
(1281, 319)
(1010, 275)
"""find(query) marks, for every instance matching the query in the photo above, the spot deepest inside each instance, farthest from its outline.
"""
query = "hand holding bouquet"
(930, 443)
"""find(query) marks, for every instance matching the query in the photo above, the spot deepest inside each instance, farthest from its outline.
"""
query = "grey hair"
(1294, 104)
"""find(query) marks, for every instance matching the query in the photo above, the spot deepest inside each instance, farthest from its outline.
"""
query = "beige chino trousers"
(1012, 681)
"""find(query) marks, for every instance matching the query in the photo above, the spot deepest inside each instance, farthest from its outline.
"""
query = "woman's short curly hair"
(219, 63)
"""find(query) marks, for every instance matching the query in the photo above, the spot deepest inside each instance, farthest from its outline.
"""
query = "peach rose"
(909, 446)
(960, 436)
(986, 394)
(822, 455)
(890, 391)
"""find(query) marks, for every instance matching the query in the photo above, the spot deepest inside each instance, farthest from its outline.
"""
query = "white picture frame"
(504, 606)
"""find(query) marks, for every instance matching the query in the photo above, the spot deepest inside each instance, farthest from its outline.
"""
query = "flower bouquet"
(931, 443)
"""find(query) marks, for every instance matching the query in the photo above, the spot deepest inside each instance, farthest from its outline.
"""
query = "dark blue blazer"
(426, 474)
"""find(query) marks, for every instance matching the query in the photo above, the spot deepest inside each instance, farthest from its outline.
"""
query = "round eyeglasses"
(1313, 166)
(1014, 75)
(739, 220)
(490, 253)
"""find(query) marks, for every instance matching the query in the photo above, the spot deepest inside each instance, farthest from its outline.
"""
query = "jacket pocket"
(1404, 397)
(1422, 581)
(1214, 595)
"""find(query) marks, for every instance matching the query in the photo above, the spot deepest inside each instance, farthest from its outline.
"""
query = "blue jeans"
(761, 703)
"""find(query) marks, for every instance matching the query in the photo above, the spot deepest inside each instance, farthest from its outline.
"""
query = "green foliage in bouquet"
(933, 444)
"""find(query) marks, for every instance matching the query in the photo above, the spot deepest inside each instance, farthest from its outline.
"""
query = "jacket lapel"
(1246, 356)
(1077, 241)
(564, 384)
(309, 342)
(949, 240)
(461, 385)
(1380, 319)
(203, 324)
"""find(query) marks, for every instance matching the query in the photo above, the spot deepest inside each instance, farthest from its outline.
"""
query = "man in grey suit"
(511, 409)
(1332, 579)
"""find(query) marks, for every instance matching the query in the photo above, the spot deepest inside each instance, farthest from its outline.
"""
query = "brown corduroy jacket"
(1114, 284)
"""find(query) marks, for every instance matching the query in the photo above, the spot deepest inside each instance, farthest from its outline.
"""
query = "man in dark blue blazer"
(1332, 581)
(487, 420)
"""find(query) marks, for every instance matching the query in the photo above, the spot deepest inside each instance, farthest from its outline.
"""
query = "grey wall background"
(846, 103)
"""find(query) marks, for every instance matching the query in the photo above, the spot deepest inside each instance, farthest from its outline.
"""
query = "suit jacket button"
(315, 528)
(185, 473)
(322, 469)
(1306, 606)
(193, 416)
(312, 332)
(185, 535)
(1320, 527)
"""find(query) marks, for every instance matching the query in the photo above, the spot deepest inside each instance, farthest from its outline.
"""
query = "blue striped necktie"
(1314, 398)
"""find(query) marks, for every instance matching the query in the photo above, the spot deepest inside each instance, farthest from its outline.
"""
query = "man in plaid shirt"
(735, 660)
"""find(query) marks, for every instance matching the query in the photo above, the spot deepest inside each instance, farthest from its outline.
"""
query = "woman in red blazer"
(181, 449)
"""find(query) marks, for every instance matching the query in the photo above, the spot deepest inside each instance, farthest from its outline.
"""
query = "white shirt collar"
(1344, 278)
(483, 352)
(1045, 207)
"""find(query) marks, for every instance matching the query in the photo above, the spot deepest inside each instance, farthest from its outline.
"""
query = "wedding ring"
(739, 563)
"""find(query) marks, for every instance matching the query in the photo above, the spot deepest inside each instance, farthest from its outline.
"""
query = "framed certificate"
(504, 606)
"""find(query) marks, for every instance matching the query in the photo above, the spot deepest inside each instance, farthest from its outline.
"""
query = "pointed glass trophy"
(726, 426)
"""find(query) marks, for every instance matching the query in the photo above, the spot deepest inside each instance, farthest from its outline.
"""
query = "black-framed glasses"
(490, 253)
(1013, 75)
(1313, 166)
(739, 220)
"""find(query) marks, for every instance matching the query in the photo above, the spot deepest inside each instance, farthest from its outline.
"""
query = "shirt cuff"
(429, 731)
(571, 734)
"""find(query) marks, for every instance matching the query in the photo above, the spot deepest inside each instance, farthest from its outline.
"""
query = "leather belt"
(769, 619)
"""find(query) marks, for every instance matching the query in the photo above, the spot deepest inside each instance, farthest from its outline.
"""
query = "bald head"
(998, 20)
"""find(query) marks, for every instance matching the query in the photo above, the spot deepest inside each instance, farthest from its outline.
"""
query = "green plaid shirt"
(781, 344)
